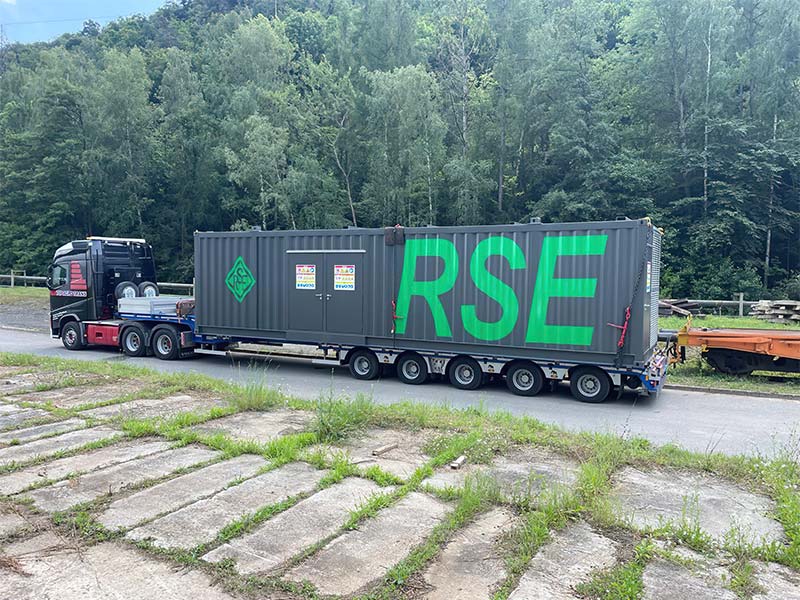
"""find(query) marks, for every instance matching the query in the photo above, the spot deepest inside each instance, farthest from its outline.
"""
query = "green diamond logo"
(240, 279)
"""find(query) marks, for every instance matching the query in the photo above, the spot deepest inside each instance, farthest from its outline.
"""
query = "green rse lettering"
(495, 288)
(429, 290)
(548, 286)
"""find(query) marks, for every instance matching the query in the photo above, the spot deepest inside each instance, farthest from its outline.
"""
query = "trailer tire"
(465, 373)
(524, 378)
(126, 289)
(72, 336)
(589, 384)
(148, 289)
(364, 365)
(165, 343)
(133, 342)
(412, 369)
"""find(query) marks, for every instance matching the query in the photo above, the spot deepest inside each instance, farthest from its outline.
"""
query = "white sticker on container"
(305, 277)
(649, 276)
(344, 278)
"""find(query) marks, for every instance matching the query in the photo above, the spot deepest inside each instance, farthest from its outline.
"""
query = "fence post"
(12, 277)
(741, 304)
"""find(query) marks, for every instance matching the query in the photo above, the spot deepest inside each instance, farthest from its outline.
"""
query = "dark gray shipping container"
(545, 292)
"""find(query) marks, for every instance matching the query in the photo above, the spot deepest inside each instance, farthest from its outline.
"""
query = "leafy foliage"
(223, 114)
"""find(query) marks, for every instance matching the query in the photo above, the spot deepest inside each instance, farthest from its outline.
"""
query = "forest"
(230, 114)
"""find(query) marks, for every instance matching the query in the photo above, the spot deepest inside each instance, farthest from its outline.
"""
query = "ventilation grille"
(655, 284)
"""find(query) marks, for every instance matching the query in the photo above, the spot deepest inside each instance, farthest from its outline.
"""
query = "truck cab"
(87, 277)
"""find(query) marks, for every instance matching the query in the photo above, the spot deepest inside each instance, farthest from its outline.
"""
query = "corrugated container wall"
(549, 292)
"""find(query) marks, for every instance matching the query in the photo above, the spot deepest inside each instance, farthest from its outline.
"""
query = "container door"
(306, 291)
(344, 292)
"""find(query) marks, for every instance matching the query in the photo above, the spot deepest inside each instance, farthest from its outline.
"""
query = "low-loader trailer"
(530, 303)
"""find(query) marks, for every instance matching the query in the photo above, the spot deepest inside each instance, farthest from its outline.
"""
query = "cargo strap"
(628, 309)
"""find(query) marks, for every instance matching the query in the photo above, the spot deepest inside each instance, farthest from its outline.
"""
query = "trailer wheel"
(524, 378)
(589, 384)
(126, 289)
(364, 365)
(412, 369)
(148, 289)
(465, 373)
(132, 342)
(72, 336)
(166, 345)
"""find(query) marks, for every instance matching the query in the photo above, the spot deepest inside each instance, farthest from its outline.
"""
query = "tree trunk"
(501, 158)
(770, 206)
(706, 126)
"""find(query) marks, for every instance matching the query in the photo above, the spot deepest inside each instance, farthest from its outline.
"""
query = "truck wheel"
(126, 289)
(589, 384)
(465, 373)
(132, 342)
(166, 345)
(72, 336)
(524, 379)
(412, 369)
(364, 365)
(148, 289)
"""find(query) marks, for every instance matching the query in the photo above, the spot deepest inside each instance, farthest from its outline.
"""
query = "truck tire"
(465, 373)
(524, 378)
(364, 365)
(126, 289)
(133, 342)
(148, 289)
(412, 369)
(589, 384)
(72, 336)
(165, 344)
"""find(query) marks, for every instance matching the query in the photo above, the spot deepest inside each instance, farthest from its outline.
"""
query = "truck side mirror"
(49, 281)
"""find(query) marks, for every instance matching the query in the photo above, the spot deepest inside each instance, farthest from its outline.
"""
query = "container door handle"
(319, 296)
(328, 296)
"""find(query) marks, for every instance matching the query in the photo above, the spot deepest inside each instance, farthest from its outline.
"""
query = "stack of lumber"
(682, 308)
(777, 311)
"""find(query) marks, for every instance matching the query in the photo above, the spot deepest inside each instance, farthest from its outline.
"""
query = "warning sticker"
(649, 282)
(305, 277)
(344, 278)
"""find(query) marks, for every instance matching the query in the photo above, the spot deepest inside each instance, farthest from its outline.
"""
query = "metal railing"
(14, 280)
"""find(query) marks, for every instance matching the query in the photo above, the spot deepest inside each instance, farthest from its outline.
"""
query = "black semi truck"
(529, 303)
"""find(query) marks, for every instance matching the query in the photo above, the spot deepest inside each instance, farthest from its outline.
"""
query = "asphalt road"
(697, 421)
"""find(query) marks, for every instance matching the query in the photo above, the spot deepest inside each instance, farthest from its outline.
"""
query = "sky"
(43, 20)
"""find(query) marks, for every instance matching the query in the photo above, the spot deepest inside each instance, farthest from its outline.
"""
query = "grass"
(17, 294)
(724, 322)
(479, 435)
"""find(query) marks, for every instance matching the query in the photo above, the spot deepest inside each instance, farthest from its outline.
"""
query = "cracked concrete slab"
(74, 396)
(56, 569)
(10, 522)
(651, 498)
(358, 559)
(51, 445)
(526, 471)
(111, 480)
(17, 481)
(401, 461)
(777, 582)
(154, 407)
(453, 478)
(171, 495)
(664, 580)
(292, 531)
(18, 383)
(201, 521)
(28, 434)
(568, 559)
(470, 567)
(15, 416)
(259, 426)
